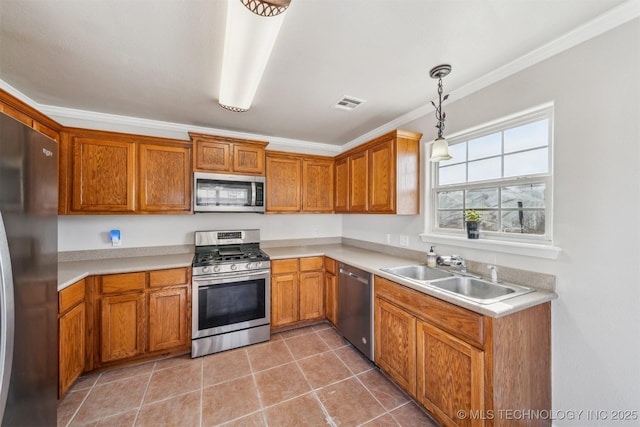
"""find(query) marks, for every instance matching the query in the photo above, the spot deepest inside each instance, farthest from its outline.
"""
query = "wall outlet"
(315, 232)
(404, 240)
(387, 239)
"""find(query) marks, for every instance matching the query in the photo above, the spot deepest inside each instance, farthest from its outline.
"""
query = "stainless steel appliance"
(231, 291)
(28, 276)
(228, 193)
(355, 301)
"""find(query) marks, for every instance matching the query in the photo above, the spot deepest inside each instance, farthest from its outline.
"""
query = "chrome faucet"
(458, 260)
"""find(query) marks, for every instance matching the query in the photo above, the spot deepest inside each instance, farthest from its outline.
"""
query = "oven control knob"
(216, 268)
(234, 267)
(258, 264)
(249, 266)
(205, 269)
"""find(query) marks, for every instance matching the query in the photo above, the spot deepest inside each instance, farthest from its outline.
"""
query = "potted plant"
(472, 219)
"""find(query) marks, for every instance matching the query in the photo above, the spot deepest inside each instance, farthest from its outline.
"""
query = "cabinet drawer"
(330, 265)
(311, 263)
(172, 277)
(70, 296)
(115, 283)
(460, 322)
(280, 266)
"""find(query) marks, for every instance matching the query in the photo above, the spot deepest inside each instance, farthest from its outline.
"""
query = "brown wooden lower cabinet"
(297, 290)
(331, 290)
(167, 318)
(122, 326)
(71, 335)
(466, 369)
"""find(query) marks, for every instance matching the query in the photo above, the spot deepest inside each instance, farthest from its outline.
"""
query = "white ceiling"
(160, 59)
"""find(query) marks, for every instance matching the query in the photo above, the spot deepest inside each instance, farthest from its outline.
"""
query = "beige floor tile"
(128, 372)
(382, 389)
(174, 381)
(182, 410)
(227, 401)
(85, 381)
(353, 359)
(332, 338)
(410, 415)
(170, 362)
(252, 420)
(384, 421)
(69, 405)
(125, 419)
(323, 369)
(322, 326)
(225, 366)
(296, 332)
(349, 403)
(281, 383)
(306, 345)
(302, 411)
(112, 398)
(268, 355)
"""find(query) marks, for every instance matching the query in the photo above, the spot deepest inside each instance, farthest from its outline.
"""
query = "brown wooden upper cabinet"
(221, 154)
(299, 183)
(119, 173)
(380, 176)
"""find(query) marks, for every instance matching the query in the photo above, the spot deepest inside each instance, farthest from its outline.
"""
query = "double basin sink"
(464, 286)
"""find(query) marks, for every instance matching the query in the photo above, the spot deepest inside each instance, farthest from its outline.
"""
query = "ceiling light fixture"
(440, 147)
(251, 32)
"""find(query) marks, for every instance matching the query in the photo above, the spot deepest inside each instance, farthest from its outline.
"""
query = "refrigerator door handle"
(7, 318)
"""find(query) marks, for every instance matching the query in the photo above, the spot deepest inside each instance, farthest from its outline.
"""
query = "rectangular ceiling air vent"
(348, 103)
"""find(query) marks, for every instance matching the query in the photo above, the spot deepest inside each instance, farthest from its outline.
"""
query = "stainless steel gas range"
(231, 291)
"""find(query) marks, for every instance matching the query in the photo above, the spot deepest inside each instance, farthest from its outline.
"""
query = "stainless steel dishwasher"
(355, 320)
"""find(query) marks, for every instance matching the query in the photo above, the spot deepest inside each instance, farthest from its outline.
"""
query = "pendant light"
(252, 29)
(440, 147)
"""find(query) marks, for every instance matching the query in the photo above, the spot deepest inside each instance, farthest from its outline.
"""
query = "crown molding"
(607, 21)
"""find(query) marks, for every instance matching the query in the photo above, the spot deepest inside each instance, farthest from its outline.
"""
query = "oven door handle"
(212, 279)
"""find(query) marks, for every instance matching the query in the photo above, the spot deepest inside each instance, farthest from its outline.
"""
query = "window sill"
(515, 248)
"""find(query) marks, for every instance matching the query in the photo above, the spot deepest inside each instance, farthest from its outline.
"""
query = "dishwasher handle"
(354, 276)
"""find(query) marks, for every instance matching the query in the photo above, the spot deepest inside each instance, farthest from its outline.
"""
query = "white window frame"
(536, 245)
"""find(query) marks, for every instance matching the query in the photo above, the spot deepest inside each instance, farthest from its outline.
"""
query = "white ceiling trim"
(603, 23)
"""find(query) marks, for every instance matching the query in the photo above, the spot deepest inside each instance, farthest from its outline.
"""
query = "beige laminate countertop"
(71, 271)
(373, 261)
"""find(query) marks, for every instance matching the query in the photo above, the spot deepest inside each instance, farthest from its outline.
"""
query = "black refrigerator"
(28, 275)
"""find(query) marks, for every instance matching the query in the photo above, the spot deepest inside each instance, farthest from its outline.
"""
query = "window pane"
(489, 221)
(531, 135)
(450, 219)
(523, 196)
(527, 163)
(458, 154)
(450, 200)
(482, 198)
(452, 174)
(486, 146)
(481, 170)
(525, 222)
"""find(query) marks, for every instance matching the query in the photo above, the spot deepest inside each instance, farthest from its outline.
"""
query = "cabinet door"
(284, 181)
(358, 182)
(395, 344)
(341, 203)
(248, 159)
(122, 325)
(450, 376)
(382, 177)
(168, 318)
(317, 185)
(45, 130)
(211, 156)
(103, 175)
(331, 297)
(164, 179)
(71, 347)
(311, 295)
(284, 299)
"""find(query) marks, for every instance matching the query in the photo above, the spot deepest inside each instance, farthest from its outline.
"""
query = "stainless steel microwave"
(228, 193)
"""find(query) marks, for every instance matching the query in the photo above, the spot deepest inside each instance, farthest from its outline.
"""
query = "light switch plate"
(404, 240)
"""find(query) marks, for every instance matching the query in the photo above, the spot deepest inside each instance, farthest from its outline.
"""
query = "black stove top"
(212, 255)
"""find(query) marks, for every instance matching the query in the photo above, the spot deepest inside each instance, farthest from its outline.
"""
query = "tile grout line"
(255, 384)
(83, 400)
(146, 389)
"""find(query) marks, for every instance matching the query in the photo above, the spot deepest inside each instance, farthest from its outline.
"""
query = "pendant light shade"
(440, 148)
(252, 29)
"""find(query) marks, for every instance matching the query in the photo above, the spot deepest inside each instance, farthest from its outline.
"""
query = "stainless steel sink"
(478, 290)
(471, 288)
(418, 272)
